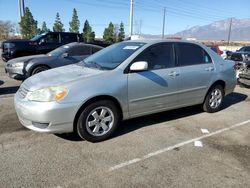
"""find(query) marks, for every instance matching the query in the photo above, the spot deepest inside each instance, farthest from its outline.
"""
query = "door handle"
(209, 69)
(174, 74)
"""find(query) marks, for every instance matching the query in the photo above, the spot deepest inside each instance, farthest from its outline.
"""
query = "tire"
(98, 121)
(214, 99)
(39, 69)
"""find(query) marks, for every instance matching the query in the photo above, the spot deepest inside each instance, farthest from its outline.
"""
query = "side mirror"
(139, 66)
(64, 55)
(42, 42)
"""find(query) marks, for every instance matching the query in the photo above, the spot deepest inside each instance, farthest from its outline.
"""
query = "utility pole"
(131, 18)
(229, 32)
(21, 8)
(163, 24)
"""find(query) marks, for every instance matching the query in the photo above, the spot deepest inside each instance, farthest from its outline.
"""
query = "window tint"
(79, 50)
(52, 38)
(158, 57)
(247, 49)
(67, 38)
(191, 54)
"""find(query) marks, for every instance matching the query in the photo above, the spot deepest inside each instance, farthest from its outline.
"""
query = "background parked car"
(24, 67)
(241, 54)
(40, 44)
(215, 48)
(244, 74)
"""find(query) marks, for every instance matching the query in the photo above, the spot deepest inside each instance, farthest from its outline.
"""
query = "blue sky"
(180, 14)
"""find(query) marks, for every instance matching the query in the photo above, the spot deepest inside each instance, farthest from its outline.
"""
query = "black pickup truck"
(40, 44)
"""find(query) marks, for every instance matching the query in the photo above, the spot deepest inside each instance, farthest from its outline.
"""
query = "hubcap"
(99, 121)
(215, 98)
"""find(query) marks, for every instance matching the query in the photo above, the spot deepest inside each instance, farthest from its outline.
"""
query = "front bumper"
(15, 73)
(48, 117)
(6, 57)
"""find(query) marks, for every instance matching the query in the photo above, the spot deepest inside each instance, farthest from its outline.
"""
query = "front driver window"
(159, 56)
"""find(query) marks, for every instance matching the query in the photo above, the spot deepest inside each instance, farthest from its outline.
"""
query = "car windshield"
(35, 38)
(59, 51)
(112, 56)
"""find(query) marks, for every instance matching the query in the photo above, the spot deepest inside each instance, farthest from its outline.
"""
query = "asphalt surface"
(152, 151)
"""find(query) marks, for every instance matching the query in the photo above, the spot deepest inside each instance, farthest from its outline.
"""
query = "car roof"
(82, 44)
(152, 41)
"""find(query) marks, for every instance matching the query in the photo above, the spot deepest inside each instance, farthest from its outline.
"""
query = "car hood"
(59, 76)
(27, 58)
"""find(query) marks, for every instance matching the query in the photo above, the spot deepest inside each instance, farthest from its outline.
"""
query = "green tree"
(44, 28)
(88, 34)
(58, 26)
(28, 25)
(121, 34)
(75, 23)
(109, 34)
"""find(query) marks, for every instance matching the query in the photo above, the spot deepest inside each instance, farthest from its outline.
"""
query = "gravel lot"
(152, 151)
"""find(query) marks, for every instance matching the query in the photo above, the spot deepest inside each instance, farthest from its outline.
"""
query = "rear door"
(196, 73)
(155, 89)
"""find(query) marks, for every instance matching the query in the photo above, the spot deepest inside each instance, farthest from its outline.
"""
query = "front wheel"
(39, 69)
(98, 121)
(214, 99)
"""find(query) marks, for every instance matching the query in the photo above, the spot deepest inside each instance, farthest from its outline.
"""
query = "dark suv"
(40, 44)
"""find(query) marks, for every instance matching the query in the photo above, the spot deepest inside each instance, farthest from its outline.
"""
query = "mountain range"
(216, 31)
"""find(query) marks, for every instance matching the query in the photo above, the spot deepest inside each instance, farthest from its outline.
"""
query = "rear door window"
(191, 54)
(52, 38)
(159, 56)
(68, 38)
(247, 49)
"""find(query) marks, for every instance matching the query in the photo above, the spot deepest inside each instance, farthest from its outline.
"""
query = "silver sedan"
(123, 81)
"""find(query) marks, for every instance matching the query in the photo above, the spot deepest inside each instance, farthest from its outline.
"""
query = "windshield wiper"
(92, 64)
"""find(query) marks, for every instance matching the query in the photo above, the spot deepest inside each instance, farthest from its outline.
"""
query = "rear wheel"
(39, 69)
(214, 99)
(98, 121)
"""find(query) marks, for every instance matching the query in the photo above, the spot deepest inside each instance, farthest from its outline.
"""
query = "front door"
(48, 43)
(155, 89)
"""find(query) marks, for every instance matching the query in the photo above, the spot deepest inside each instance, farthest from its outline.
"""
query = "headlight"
(48, 94)
(17, 65)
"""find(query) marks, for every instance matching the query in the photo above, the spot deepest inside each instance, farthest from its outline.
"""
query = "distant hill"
(219, 30)
(215, 31)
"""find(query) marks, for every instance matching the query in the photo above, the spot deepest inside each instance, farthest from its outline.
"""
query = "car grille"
(23, 92)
